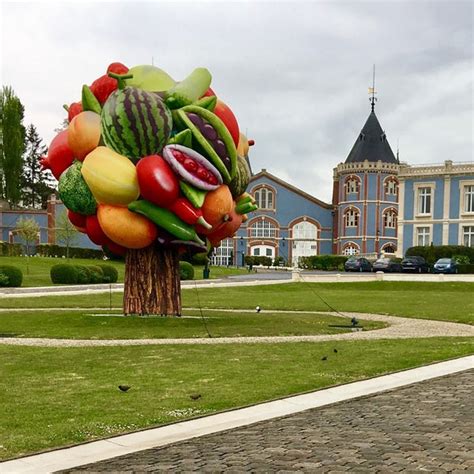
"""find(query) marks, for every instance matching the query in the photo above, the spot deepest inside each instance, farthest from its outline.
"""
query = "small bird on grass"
(324, 358)
(195, 396)
(124, 388)
(354, 321)
(258, 309)
(335, 351)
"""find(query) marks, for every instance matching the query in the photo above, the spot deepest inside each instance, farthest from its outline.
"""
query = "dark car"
(445, 265)
(386, 264)
(415, 264)
(357, 264)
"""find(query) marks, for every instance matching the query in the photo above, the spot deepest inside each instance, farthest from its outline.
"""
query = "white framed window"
(391, 186)
(424, 200)
(351, 249)
(263, 228)
(468, 235)
(390, 219)
(423, 236)
(468, 198)
(265, 198)
(263, 251)
(223, 255)
(351, 217)
(352, 185)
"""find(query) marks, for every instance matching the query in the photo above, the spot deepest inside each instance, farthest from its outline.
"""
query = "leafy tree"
(37, 185)
(66, 233)
(12, 139)
(28, 229)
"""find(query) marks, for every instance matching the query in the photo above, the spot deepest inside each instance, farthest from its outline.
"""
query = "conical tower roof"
(372, 144)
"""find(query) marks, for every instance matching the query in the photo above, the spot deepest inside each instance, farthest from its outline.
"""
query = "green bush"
(65, 274)
(461, 259)
(199, 259)
(12, 276)
(110, 273)
(186, 271)
(466, 268)
(3, 279)
(432, 253)
(97, 274)
(249, 260)
(323, 262)
(279, 262)
(10, 250)
(84, 274)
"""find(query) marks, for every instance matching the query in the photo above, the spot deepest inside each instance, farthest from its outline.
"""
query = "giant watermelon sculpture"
(148, 168)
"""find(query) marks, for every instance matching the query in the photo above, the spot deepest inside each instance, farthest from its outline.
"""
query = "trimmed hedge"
(12, 276)
(258, 260)
(10, 250)
(64, 273)
(466, 268)
(110, 273)
(431, 253)
(323, 262)
(48, 250)
(186, 271)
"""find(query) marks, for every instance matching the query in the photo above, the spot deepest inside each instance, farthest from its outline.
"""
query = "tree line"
(22, 183)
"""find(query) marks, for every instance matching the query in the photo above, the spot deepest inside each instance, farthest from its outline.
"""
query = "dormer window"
(383, 137)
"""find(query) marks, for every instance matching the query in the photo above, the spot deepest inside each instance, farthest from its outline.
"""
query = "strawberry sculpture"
(151, 167)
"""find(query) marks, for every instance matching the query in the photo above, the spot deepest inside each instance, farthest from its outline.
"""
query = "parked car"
(415, 264)
(386, 264)
(357, 264)
(445, 265)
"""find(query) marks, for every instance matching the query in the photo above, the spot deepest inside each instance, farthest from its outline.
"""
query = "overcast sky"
(296, 74)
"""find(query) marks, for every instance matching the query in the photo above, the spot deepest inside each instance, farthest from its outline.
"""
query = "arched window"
(351, 249)
(390, 219)
(352, 185)
(351, 217)
(263, 229)
(391, 186)
(265, 198)
(389, 248)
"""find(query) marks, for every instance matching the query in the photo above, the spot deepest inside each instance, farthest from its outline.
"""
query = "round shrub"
(186, 271)
(110, 273)
(12, 276)
(96, 273)
(84, 274)
(64, 273)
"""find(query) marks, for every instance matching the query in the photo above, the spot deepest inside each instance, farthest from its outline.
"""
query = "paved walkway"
(423, 427)
(399, 328)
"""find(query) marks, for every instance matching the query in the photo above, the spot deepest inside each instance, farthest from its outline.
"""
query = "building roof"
(371, 144)
(266, 174)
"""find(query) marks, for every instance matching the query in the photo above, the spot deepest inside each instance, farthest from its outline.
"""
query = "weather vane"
(372, 91)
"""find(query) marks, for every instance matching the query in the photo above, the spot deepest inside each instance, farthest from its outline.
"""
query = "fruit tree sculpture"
(148, 168)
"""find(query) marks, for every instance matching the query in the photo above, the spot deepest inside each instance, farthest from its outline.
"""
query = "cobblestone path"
(427, 427)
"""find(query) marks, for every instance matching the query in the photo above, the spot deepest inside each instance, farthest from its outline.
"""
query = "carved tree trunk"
(152, 284)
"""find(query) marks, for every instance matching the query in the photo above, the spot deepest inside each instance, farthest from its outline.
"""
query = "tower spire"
(372, 91)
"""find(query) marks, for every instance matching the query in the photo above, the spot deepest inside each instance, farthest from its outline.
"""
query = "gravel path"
(399, 328)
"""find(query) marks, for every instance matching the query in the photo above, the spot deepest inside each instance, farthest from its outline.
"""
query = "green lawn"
(442, 301)
(36, 269)
(84, 325)
(54, 397)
